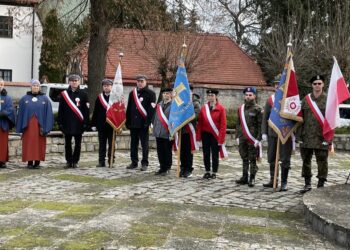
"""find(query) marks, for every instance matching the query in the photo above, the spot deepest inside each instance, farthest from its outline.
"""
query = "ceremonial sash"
(103, 101)
(162, 118)
(215, 131)
(139, 106)
(246, 131)
(271, 100)
(192, 132)
(315, 110)
(72, 105)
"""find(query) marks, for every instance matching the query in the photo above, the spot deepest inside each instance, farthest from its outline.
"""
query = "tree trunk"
(98, 47)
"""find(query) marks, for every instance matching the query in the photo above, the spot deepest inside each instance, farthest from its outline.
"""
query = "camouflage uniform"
(247, 151)
(311, 140)
(285, 149)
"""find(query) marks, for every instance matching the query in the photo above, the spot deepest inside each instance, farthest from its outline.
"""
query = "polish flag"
(337, 93)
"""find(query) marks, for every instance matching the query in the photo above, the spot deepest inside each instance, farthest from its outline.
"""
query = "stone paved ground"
(102, 208)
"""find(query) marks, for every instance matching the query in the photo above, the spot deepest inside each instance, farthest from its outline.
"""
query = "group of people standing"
(35, 120)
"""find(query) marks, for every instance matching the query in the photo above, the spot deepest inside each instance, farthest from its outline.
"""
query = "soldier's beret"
(213, 91)
(250, 89)
(191, 87)
(167, 90)
(73, 77)
(277, 79)
(141, 77)
(317, 77)
(34, 82)
(107, 82)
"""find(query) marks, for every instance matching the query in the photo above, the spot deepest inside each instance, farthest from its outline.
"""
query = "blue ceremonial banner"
(282, 126)
(182, 110)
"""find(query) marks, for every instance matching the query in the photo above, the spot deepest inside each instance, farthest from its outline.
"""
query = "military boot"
(284, 179)
(307, 186)
(320, 183)
(251, 180)
(244, 179)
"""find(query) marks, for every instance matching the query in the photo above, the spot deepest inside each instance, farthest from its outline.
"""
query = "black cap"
(317, 77)
(213, 91)
(277, 79)
(73, 77)
(191, 87)
(167, 90)
(107, 82)
(141, 77)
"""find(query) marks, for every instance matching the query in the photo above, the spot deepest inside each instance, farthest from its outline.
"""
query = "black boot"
(307, 186)
(284, 179)
(320, 183)
(251, 180)
(243, 180)
(269, 184)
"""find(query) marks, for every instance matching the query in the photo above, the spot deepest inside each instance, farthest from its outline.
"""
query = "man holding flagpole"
(139, 115)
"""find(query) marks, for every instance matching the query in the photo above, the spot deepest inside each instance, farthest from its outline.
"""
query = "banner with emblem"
(116, 115)
(286, 111)
(182, 109)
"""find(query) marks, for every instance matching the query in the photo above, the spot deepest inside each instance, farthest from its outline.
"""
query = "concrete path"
(115, 208)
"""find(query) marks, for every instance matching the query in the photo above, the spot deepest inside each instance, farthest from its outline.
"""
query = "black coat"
(133, 117)
(98, 119)
(67, 120)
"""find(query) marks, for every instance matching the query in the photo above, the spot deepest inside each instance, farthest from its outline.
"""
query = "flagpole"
(178, 155)
(111, 160)
(276, 165)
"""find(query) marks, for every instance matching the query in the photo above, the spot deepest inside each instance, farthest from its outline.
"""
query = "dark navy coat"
(7, 114)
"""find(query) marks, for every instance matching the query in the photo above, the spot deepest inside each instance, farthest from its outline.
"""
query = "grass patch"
(12, 231)
(99, 181)
(24, 172)
(88, 240)
(12, 206)
(143, 240)
(26, 241)
(196, 229)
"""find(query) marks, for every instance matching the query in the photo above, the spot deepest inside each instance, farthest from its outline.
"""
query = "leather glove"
(264, 137)
(256, 144)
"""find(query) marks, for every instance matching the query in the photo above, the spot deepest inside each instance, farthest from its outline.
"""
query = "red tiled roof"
(220, 61)
(20, 2)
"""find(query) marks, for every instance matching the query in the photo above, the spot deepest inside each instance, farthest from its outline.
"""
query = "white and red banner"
(116, 115)
(271, 100)
(215, 131)
(72, 105)
(337, 93)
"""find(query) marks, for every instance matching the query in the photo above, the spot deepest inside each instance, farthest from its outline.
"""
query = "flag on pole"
(286, 112)
(116, 113)
(337, 93)
(181, 110)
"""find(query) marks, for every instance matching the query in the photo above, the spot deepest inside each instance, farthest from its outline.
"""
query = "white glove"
(93, 128)
(237, 141)
(264, 137)
(256, 144)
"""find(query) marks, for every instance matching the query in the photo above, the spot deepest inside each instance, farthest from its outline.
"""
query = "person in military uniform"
(248, 135)
(7, 121)
(285, 149)
(211, 130)
(310, 134)
(34, 120)
(139, 115)
(98, 121)
(187, 145)
(73, 118)
(161, 132)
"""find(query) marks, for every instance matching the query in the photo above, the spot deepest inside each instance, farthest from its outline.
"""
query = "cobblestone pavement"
(116, 208)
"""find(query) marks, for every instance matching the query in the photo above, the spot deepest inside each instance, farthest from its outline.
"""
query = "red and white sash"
(162, 118)
(103, 101)
(315, 110)
(271, 100)
(215, 131)
(192, 132)
(246, 131)
(72, 105)
(139, 106)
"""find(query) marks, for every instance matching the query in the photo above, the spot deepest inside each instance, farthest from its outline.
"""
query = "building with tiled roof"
(219, 62)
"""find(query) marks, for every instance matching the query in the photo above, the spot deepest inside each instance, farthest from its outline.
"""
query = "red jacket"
(218, 114)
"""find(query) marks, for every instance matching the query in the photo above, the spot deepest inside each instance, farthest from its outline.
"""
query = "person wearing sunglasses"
(309, 134)
(248, 135)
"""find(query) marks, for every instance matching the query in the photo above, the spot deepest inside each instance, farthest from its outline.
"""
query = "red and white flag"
(337, 93)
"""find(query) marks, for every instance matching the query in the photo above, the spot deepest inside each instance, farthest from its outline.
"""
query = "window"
(6, 26)
(6, 74)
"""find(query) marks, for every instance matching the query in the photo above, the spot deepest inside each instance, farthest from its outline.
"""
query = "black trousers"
(285, 153)
(186, 156)
(104, 136)
(210, 150)
(164, 152)
(72, 157)
(139, 134)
